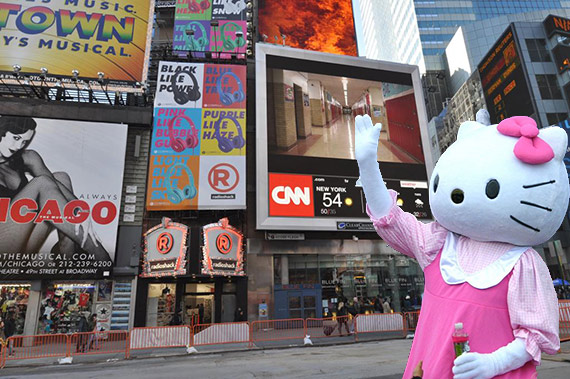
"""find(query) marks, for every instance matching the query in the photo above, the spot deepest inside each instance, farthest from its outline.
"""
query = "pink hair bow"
(530, 148)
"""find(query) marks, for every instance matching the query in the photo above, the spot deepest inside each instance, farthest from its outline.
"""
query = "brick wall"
(285, 128)
(317, 115)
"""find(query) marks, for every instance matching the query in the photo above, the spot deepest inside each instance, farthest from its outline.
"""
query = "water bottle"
(460, 340)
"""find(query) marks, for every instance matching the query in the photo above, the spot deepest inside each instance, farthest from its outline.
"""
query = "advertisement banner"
(326, 25)
(199, 127)
(219, 26)
(223, 250)
(222, 183)
(89, 36)
(165, 248)
(60, 193)
(172, 182)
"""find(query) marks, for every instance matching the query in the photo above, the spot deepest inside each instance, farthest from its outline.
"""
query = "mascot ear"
(557, 138)
(483, 117)
(467, 128)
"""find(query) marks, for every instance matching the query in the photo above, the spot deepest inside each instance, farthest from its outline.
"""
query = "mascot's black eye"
(492, 189)
(435, 183)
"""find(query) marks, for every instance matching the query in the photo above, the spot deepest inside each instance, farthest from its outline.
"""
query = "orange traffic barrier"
(411, 319)
(38, 346)
(276, 330)
(105, 342)
(213, 334)
(378, 323)
(159, 337)
(2, 353)
(326, 327)
(564, 308)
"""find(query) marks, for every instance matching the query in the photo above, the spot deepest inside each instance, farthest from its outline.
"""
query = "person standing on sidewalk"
(9, 330)
(92, 326)
(342, 318)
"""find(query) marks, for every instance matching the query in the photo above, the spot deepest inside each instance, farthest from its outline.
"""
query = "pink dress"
(443, 306)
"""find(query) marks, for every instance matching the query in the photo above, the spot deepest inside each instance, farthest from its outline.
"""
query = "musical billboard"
(305, 108)
(66, 35)
(60, 195)
(504, 82)
(326, 25)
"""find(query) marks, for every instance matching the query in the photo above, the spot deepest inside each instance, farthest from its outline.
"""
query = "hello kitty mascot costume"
(494, 193)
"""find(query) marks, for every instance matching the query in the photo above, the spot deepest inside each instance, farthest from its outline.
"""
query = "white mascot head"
(503, 183)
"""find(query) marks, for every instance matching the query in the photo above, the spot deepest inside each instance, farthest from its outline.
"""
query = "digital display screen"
(562, 57)
(311, 172)
(504, 82)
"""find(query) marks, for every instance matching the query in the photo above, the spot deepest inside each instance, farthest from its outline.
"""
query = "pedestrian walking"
(92, 326)
(342, 318)
(82, 328)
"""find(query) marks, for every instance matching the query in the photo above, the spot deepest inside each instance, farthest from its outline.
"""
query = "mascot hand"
(482, 366)
(365, 150)
(473, 366)
(366, 138)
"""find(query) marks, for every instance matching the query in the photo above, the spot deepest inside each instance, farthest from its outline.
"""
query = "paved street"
(382, 360)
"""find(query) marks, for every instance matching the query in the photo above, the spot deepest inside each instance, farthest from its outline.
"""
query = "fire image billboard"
(59, 204)
(198, 142)
(326, 25)
(66, 35)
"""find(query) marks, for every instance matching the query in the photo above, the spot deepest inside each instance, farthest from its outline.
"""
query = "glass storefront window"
(14, 303)
(160, 304)
(63, 305)
(370, 278)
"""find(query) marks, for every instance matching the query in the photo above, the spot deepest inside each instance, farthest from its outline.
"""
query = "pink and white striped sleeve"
(533, 306)
(403, 232)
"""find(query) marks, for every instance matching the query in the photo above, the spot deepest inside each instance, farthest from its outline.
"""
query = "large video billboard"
(503, 79)
(219, 26)
(198, 142)
(306, 172)
(325, 25)
(60, 194)
(88, 36)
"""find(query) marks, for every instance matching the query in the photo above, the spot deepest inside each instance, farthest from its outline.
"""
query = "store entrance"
(295, 301)
(199, 301)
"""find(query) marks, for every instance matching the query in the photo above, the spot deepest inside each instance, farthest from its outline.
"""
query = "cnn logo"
(291, 195)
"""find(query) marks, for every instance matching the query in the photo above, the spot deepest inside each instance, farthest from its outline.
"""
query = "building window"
(537, 50)
(555, 118)
(548, 86)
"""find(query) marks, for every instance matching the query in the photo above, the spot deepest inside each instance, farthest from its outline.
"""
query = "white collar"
(485, 278)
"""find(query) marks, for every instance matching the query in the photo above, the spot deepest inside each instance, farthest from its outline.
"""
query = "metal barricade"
(2, 353)
(412, 319)
(224, 333)
(278, 330)
(103, 342)
(564, 309)
(325, 327)
(37, 346)
(159, 337)
(384, 323)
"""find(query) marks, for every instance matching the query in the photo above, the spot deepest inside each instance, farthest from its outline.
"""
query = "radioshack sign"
(223, 250)
(222, 182)
(165, 250)
(291, 195)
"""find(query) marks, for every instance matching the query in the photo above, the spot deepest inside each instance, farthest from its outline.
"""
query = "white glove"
(483, 366)
(365, 151)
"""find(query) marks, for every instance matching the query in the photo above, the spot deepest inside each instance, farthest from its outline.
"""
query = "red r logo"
(224, 243)
(164, 243)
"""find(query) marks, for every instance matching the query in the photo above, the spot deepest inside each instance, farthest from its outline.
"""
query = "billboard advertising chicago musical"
(60, 193)
(112, 37)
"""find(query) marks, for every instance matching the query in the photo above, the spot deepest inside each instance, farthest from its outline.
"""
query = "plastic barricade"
(384, 324)
(160, 337)
(564, 309)
(103, 342)
(37, 346)
(330, 327)
(225, 333)
(278, 330)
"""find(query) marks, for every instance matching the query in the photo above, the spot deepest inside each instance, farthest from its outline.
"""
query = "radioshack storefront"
(191, 274)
